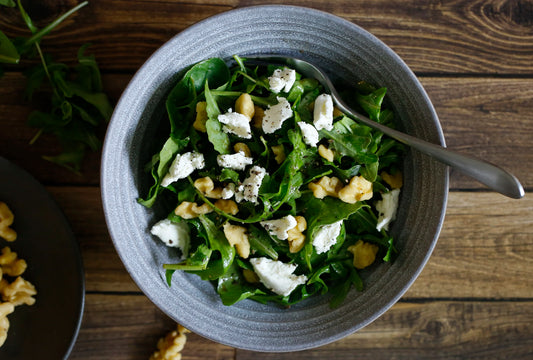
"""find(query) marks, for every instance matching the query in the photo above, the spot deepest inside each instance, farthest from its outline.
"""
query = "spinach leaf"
(214, 71)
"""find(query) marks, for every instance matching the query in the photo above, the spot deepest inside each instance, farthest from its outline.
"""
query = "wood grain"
(462, 36)
(433, 330)
(474, 298)
(473, 113)
(128, 326)
(490, 118)
(485, 250)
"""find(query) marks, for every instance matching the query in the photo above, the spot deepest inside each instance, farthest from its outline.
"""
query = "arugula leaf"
(164, 158)
(218, 242)
(232, 287)
(76, 104)
(215, 133)
(38, 34)
(8, 3)
(291, 175)
(261, 242)
(320, 212)
(351, 139)
(371, 103)
(8, 52)
(195, 262)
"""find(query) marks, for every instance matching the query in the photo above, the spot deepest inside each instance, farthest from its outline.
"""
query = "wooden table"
(474, 299)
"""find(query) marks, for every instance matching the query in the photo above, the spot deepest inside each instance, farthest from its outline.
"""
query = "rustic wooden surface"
(474, 299)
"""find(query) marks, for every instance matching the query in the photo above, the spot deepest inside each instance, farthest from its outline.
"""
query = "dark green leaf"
(218, 242)
(8, 52)
(261, 242)
(8, 3)
(195, 262)
(184, 93)
(216, 135)
(351, 139)
(232, 287)
(371, 103)
(38, 34)
(88, 71)
(165, 157)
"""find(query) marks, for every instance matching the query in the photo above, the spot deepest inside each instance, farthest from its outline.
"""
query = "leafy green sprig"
(77, 105)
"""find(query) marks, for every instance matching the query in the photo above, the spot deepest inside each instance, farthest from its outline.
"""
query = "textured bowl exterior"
(345, 51)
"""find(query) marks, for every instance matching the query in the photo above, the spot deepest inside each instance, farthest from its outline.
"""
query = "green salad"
(276, 195)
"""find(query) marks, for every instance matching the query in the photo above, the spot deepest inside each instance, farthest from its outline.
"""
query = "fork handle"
(486, 173)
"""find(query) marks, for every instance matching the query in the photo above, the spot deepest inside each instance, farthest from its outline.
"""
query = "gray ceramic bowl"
(345, 51)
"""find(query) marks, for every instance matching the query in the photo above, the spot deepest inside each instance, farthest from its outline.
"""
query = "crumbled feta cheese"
(387, 208)
(228, 191)
(237, 161)
(309, 133)
(249, 189)
(323, 112)
(279, 227)
(282, 80)
(326, 236)
(183, 166)
(173, 234)
(275, 115)
(236, 123)
(277, 276)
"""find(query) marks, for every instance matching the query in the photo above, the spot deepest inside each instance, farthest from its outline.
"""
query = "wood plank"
(104, 271)
(485, 249)
(432, 37)
(489, 118)
(433, 330)
(128, 326)
(485, 117)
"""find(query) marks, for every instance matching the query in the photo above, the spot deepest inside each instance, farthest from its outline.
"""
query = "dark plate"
(48, 329)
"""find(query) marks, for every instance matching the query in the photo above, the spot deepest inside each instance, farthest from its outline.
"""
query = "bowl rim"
(107, 192)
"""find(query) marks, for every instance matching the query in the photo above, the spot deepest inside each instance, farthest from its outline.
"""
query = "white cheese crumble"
(183, 166)
(277, 276)
(309, 133)
(173, 234)
(228, 191)
(323, 112)
(387, 208)
(237, 161)
(282, 80)
(249, 189)
(326, 236)
(279, 227)
(236, 123)
(275, 115)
